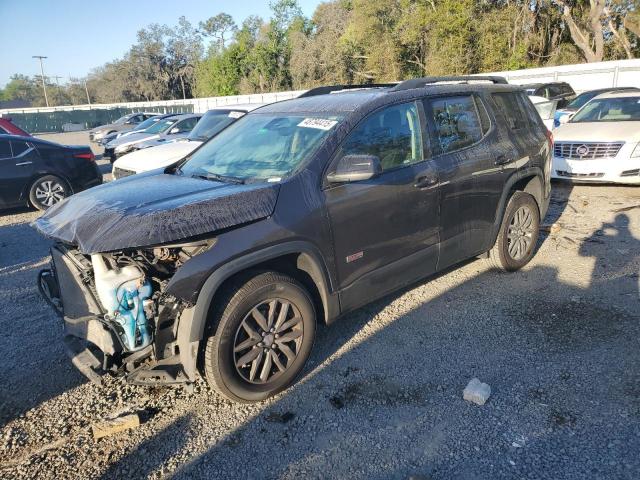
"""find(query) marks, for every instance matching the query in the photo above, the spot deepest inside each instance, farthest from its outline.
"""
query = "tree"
(218, 27)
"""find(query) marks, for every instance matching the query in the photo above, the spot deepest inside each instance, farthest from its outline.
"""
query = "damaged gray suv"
(301, 211)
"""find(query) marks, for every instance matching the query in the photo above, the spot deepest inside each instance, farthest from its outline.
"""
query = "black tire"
(236, 325)
(518, 234)
(46, 191)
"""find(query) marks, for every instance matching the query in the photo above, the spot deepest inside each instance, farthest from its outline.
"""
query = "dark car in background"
(40, 173)
(560, 91)
(7, 127)
(299, 212)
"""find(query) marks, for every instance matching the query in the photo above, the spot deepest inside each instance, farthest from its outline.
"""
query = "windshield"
(260, 147)
(212, 123)
(581, 99)
(622, 109)
(146, 124)
(122, 119)
(161, 126)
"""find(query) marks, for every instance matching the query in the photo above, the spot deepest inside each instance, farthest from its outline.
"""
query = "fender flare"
(309, 260)
(534, 187)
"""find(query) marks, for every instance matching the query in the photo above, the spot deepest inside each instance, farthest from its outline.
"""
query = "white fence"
(582, 77)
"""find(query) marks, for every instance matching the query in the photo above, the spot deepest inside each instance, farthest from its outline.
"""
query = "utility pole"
(44, 87)
(86, 90)
(58, 85)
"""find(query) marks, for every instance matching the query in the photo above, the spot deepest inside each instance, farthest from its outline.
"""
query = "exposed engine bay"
(117, 317)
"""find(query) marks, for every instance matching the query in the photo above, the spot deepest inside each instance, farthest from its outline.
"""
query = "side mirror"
(565, 118)
(353, 168)
(174, 130)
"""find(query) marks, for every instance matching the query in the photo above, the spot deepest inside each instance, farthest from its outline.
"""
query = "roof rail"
(421, 82)
(336, 88)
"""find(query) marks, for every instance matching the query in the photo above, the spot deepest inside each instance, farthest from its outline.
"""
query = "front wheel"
(518, 234)
(264, 335)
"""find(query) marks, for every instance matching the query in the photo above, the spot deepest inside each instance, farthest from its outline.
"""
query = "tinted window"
(5, 149)
(484, 116)
(511, 110)
(2, 130)
(392, 135)
(19, 147)
(456, 122)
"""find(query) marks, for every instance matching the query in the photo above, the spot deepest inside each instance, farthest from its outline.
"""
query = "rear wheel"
(47, 191)
(518, 234)
(265, 332)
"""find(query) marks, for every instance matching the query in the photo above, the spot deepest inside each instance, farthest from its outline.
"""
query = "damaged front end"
(118, 318)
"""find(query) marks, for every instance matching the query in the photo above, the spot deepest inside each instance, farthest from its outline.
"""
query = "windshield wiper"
(221, 178)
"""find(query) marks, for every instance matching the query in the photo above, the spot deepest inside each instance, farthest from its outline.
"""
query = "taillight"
(86, 156)
(550, 137)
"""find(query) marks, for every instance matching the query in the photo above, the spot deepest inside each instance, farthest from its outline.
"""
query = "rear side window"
(186, 125)
(456, 122)
(5, 149)
(392, 135)
(19, 147)
(514, 113)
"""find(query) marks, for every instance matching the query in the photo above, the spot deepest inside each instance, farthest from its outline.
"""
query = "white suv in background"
(160, 156)
(601, 141)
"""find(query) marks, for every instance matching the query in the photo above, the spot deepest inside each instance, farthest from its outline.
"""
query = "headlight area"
(117, 317)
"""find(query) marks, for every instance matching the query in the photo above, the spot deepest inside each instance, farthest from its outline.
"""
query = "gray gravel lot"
(382, 395)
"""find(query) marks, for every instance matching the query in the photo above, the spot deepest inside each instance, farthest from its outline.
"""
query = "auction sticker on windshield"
(236, 114)
(319, 123)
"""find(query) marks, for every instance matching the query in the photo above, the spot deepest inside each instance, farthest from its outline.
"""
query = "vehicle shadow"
(382, 399)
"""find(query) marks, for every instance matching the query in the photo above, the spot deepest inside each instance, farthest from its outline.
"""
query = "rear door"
(17, 160)
(385, 229)
(468, 151)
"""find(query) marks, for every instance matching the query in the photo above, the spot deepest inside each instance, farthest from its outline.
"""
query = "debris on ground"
(552, 228)
(115, 425)
(275, 417)
(476, 392)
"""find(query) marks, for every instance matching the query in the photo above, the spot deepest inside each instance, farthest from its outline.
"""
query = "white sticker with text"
(236, 114)
(319, 123)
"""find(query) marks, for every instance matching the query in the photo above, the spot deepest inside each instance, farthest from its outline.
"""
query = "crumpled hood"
(152, 209)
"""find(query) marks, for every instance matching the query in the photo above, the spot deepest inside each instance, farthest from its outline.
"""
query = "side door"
(385, 230)
(468, 152)
(17, 165)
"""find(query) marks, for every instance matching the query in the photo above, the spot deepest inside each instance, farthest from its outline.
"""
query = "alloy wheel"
(520, 233)
(268, 341)
(49, 192)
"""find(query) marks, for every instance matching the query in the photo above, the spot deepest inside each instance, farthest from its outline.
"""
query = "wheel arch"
(527, 181)
(300, 260)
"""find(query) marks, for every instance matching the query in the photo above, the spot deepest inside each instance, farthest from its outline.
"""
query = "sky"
(78, 36)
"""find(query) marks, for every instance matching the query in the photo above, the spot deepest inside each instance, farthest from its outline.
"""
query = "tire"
(239, 352)
(47, 191)
(518, 234)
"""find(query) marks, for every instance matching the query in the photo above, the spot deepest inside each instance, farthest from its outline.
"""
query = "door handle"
(502, 160)
(23, 163)
(426, 181)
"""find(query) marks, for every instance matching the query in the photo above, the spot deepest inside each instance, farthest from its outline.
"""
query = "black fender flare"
(309, 260)
(535, 187)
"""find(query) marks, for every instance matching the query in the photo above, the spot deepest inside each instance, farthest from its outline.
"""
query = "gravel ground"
(382, 394)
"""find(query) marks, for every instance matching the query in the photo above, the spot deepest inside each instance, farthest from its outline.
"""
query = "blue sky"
(78, 36)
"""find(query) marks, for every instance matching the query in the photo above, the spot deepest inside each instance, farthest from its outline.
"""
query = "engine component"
(122, 292)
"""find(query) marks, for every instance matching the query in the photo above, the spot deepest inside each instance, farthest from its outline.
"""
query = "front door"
(385, 230)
